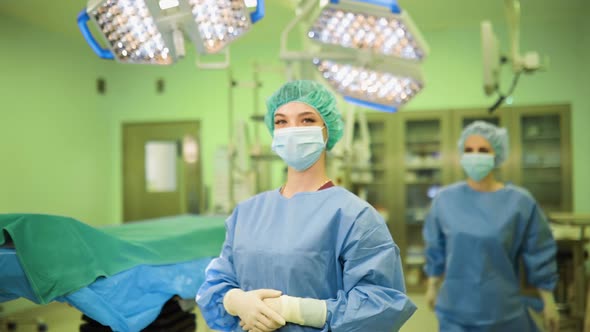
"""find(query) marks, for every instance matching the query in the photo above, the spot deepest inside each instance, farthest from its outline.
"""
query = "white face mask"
(299, 147)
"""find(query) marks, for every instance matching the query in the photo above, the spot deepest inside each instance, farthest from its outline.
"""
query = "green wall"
(53, 139)
(52, 136)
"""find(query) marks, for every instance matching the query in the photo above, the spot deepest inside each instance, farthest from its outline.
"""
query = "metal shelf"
(375, 168)
(375, 183)
(425, 141)
(265, 157)
(541, 166)
(424, 167)
(542, 138)
(544, 181)
(423, 149)
(411, 261)
(423, 182)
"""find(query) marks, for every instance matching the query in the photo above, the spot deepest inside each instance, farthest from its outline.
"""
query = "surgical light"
(367, 25)
(380, 88)
(167, 4)
(131, 32)
(152, 31)
(250, 3)
(219, 22)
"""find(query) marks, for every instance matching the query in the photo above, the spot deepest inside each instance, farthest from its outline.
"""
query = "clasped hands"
(258, 310)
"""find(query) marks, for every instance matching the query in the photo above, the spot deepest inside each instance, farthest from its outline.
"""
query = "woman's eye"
(279, 122)
(308, 120)
(468, 150)
(484, 150)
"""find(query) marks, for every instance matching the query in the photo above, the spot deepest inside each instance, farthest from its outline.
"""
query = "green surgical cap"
(314, 95)
(497, 137)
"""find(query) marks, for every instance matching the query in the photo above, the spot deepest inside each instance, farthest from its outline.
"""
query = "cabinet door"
(463, 118)
(543, 151)
(369, 174)
(421, 174)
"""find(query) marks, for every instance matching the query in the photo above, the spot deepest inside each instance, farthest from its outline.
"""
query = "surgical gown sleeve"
(435, 243)
(372, 298)
(539, 251)
(220, 278)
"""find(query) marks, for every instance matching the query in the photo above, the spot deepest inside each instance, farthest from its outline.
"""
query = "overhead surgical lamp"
(152, 31)
(379, 86)
(386, 50)
(375, 25)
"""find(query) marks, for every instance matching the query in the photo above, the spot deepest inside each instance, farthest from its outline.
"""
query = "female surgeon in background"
(309, 256)
(476, 233)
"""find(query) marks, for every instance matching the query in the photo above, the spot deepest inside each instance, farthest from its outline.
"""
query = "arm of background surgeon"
(373, 296)
(434, 240)
(538, 252)
(550, 314)
(220, 278)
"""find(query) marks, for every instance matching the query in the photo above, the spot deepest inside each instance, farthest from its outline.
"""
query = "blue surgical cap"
(314, 95)
(497, 137)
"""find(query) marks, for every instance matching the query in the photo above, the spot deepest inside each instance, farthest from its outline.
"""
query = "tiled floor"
(63, 318)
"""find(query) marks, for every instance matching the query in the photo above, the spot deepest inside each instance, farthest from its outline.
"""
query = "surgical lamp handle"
(391, 4)
(258, 14)
(83, 19)
(368, 104)
(215, 65)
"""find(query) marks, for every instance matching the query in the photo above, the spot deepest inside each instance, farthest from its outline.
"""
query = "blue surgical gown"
(477, 239)
(327, 245)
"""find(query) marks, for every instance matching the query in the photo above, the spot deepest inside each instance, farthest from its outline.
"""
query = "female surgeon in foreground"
(309, 256)
(476, 233)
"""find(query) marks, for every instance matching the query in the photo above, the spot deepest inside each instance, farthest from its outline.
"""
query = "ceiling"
(437, 14)
(428, 15)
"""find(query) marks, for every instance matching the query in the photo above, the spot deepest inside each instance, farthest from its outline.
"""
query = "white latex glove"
(272, 302)
(304, 311)
(432, 291)
(297, 310)
(252, 311)
(550, 314)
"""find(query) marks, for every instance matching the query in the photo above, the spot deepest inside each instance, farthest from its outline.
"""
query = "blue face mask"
(299, 147)
(477, 165)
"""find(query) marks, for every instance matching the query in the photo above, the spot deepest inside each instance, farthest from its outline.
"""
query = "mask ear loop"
(327, 136)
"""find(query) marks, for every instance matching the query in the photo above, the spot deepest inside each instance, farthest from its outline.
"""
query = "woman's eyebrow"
(306, 113)
(279, 114)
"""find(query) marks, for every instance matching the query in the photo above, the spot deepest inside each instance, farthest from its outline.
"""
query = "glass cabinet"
(369, 173)
(543, 148)
(423, 142)
(413, 154)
